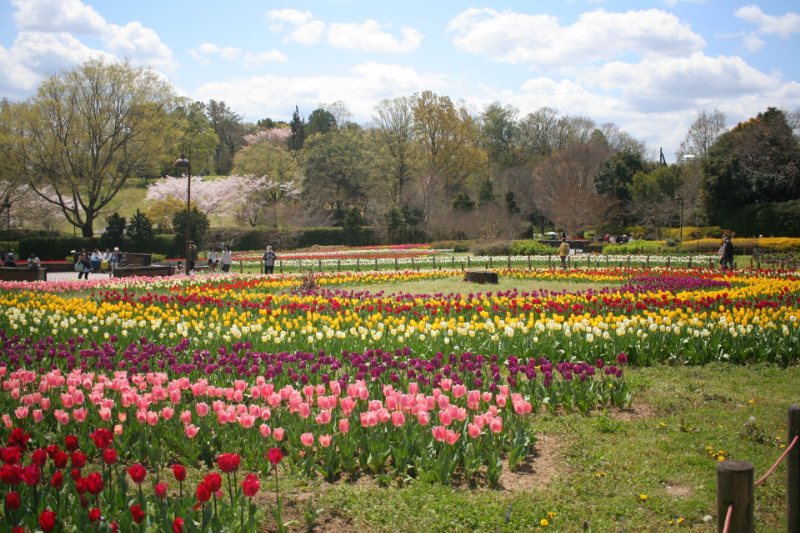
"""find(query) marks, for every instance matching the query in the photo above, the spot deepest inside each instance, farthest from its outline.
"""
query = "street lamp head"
(182, 162)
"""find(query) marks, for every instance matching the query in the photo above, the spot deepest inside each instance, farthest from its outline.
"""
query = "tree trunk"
(86, 229)
(481, 276)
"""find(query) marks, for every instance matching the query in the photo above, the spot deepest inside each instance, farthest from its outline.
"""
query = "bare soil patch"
(537, 470)
(679, 491)
(638, 411)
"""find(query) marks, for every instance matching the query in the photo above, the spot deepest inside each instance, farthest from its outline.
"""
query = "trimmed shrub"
(456, 246)
(55, 248)
(635, 247)
(531, 248)
(491, 248)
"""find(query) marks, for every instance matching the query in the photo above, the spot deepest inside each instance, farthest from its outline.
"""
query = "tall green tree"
(140, 232)
(115, 230)
(195, 137)
(298, 127)
(395, 132)
(320, 121)
(89, 129)
(198, 226)
(486, 193)
(653, 196)
(227, 124)
(617, 174)
(500, 135)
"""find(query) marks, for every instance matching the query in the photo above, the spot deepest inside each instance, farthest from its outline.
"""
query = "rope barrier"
(728, 519)
(771, 470)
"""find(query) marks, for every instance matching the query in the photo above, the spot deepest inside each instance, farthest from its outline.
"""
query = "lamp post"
(184, 163)
(680, 199)
(7, 207)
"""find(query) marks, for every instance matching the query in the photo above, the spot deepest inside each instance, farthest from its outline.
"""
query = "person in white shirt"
(226, 259)
(213, 260)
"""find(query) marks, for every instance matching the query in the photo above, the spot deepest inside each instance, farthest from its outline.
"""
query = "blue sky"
(648, 66)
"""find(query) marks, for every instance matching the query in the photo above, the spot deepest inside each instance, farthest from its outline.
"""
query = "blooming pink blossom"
(439, 433)
(307, 439)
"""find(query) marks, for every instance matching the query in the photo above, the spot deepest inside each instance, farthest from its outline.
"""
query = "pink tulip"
(324, 417)
(459, 391)
(305, 410)
(363, 394)
(67, 401)
(398, 419)
(118, 430)
(325, 440)
(79, 415)
(167, 413)
(229, 392)
(445, 418)
(7, 419)
(347, 406)
(64, 419)
(265, 414)
(307, 439)
(496, 425)
(255, 392)
(186, 417)
(344, 426)
(21, 412)
(78, 396)
(474, 431)
(265, 430)
(443, 402)
(241, 409)
(201, 409)
(452, 437)
(336, 389)
(238, 396)
(308, 391)
(279, 434)
(175, 396)
(439, 433)
(37, 415)
(423, 418)
(274, 400)
(247, 420)
(152, 418)
(446, 384)
(383, 415)
(501, 400)
(487, 397)
(504, 390)
(45, 404)
(105, 414)
(191, 430)
(267, 390)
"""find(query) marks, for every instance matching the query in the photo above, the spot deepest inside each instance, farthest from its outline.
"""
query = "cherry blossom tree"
(211, 196)
(275, 135)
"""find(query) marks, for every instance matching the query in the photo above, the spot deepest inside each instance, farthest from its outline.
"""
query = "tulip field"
(185, 403)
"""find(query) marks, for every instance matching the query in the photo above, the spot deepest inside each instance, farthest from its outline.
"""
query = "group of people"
(222, 260)
(97, 262)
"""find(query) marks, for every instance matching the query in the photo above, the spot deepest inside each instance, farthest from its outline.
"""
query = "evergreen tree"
(140, 232)
(115, 231)
(198, 222)
(511, 203)
(486, 194)
(463, 202)
(298, 125)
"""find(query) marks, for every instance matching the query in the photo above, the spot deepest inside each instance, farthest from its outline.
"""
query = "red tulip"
(179, 471)
(137, 513)
(51, 450)
(31, 475)
(94, 515)
(71, 443)
(137, 473)
(39, 457)
(228, 462)
(60, 459)
(58, 480)
(81, 486)
(11, 474)
(75, 473)
(84, 502)
(94, 483)
(110, 456)
(177, 525)
(78, 460)
(274, 455)
(10, 455)
(12, 501)
(17, 529)
(114, 527)
(203, 492)
(102, 438)
(47, 521)
(161, 490)
(213, 481)
(19, 438)
(250, 485)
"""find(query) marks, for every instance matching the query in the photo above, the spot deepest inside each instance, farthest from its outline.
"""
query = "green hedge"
(456, 246)
(532, 248)
(55, 248)
(778, 219)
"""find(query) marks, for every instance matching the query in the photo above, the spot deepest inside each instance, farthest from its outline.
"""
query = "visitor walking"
(563, 252)
(192, 259)
(213, 260)
(226, 258)
(83, 266)
(269, 260)
(727, 254)
(33, 262)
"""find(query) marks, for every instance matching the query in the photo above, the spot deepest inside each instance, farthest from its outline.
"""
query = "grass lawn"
(596, 469)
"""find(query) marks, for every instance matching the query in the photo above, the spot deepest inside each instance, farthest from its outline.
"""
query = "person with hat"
(727, 254)
(269, 260)
(563, 252)
(116, 259)
(192, 259)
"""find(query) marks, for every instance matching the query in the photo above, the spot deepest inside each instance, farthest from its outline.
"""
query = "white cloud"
(202, 52)
(139, 44)
(677, 83)
(543, 42)
(58, 16)
(361, 89)
(752, 42)
(272, 56)
(672, 3)
(368, 37)
(783, 26)
(306, 30)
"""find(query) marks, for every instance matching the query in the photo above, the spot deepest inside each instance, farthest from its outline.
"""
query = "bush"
(491, 248)
(456, 246)
(714, 232)
(635, 247)
(766, 219)
(768, 245)
(55, 248)
(532, 248)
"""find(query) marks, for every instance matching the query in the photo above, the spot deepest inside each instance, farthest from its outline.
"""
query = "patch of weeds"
(608, 425)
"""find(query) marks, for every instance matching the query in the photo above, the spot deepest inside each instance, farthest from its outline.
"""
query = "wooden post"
(710, 263)
(606, 261)
(668, 258)
(339, 265)
(793, 471)
(358, 264)
(280, 264)
(300, 265)
(690, 261)
(452, 262)
(468, 263)
(569, 262)
(395, 263)
(529, 262)
(490, 261)
(509, 262)
(320, 265)
(735, 486)
(751, 261)
(261, 267)
(434, 262)
(412, 263)
(462, 265)
(648, 261)
(629, 261)
(241, 266)
(549, 261)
